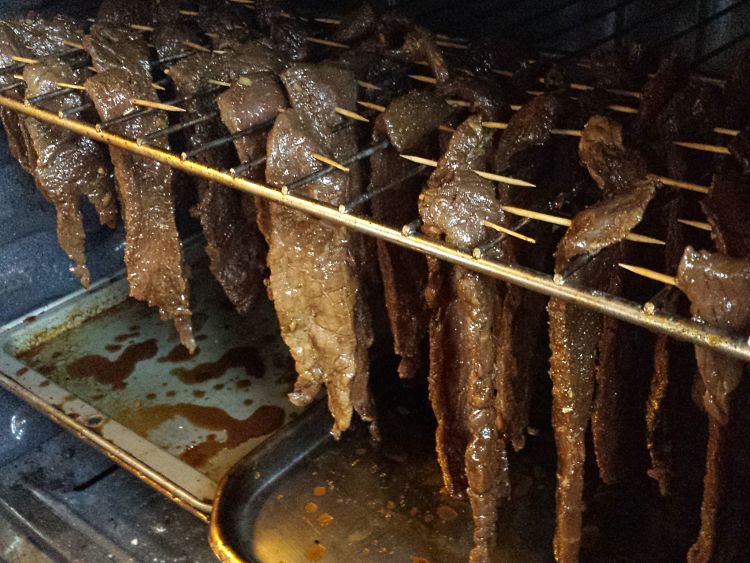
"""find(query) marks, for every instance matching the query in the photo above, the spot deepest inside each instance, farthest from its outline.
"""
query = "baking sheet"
(303, 496)
(108, 368)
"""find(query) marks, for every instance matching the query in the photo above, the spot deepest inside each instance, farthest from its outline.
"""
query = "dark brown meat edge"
(153, 251)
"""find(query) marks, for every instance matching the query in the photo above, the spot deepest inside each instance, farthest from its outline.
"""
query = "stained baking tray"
(305, 497)
(107, 368)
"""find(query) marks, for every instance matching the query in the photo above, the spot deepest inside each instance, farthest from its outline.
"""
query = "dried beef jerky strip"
(67, 166)
(316, 267)
(410, 123)
(576, 335)
(235, 247)
(455, 204)
(153, 251)
(717, 286)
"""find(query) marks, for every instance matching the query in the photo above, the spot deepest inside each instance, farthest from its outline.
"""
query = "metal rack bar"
(622, 309)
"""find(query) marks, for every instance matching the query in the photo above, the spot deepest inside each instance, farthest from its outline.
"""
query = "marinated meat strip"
(30, 38)
(419, 45)
(488, 54)
(574, 335)
(117, 48)
(740, 149)
(726, 205)
(737, 94)
(579, 337)
(12, 123)
(171, 39)
(617, 67)
(116, 13)
(67, 166)
(532, 127)
(717, 286)
(153, 251)
(315, 267)
(520, 314)
(692, 113)
(671, 77)
(409, 123)
(357, 24)
(235, 247)
(253, 105)
(289, 37)
(455, 204)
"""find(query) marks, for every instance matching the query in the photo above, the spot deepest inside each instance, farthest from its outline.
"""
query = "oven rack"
(649, 315)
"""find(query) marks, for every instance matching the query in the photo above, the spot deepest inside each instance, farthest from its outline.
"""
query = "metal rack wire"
(649, 315)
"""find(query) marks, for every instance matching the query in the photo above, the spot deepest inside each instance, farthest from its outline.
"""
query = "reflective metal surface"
(109, 369)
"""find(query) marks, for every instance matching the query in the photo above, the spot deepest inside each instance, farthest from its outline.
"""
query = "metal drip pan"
(107, 368)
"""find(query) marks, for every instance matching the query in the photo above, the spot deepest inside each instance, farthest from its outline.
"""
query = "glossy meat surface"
(316, 267)
(455, 204)
(66, 166)
(153, 250)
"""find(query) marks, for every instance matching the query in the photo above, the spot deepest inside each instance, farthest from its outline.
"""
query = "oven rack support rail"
(648, 316)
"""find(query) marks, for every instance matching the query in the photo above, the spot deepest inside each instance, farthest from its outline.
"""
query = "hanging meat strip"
(717, 287)
(410, 123)
(455, 205)
(316, 267)
(30, 38)
(577, 336)
(235, 247)
(67, 166)
(153, 250)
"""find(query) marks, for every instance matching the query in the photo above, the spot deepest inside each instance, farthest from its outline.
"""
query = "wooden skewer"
(368, 85)
(446, 129)
(351, 115)
(189, 13)
(69, 85)
(450, 44)
(683, 185)
(420, 160)
(330, 162)
(92, 69)
(503, 179)
(327, 43)
(24, 60)
(372, 106)
(703, 147)
(576, 133)
(725, 131)
(458, 103)
(218, 83)
(329, 21)
(622, 109)
(565, 222)
(487, 175)
(18, 76)
(72, 44)
(501, 229)
(211, 34)
(246, 2)
(139, 27)
(196, 46)
(155, 105)
(156, 86)
(697, 224)
(650, 274)
(423, 78)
